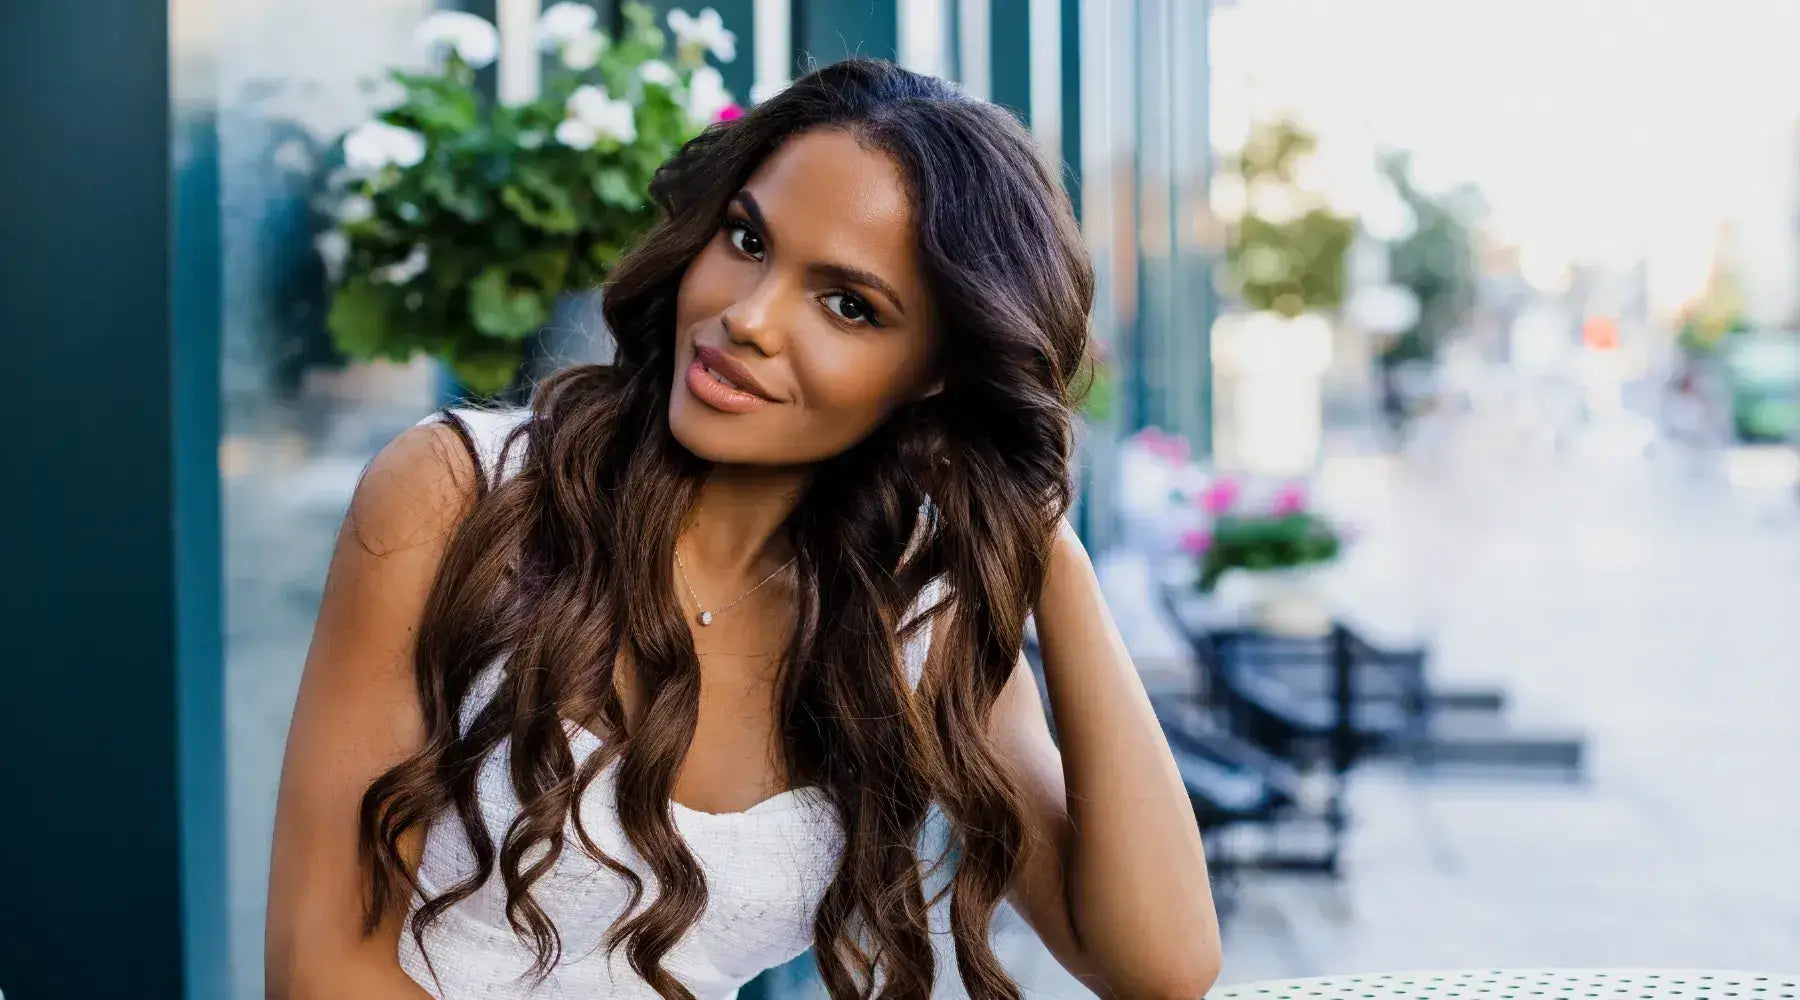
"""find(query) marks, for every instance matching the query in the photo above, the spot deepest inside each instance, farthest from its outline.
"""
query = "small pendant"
(706, 617)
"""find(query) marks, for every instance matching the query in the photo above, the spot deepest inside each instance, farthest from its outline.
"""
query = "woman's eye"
(744, 239)
(848, 307)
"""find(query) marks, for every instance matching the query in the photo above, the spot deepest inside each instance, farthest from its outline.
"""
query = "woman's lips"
(709, 388)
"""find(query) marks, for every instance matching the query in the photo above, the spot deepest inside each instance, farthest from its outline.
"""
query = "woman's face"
(804, 322)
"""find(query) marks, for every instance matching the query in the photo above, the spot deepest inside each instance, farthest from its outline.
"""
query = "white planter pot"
(1278, 601)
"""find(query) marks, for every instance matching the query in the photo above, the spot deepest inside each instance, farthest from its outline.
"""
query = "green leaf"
(605, 255)
(489, 371)
(359, 319)
(545, 267)
(464, 202)
(615, 189)
(499, 308)
(541, 203)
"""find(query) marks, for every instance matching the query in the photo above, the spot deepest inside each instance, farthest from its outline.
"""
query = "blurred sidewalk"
(1639, 596)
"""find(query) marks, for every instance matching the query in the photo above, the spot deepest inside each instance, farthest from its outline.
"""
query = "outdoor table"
(1525, 984)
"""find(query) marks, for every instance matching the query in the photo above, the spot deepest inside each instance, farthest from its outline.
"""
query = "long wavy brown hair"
(567, 566)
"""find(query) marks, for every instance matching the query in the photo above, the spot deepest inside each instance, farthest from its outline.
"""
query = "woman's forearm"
(1136, 871)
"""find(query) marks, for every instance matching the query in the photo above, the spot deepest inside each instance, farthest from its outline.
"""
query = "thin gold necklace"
(706, 617)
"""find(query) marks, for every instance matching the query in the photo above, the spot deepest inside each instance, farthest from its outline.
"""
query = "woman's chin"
(707, 434)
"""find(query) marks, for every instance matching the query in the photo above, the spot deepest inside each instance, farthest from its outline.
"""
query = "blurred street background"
(1442, 464)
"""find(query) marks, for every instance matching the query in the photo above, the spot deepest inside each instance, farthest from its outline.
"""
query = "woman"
(652, 686)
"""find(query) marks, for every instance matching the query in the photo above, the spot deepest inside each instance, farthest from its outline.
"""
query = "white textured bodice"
(766, 870)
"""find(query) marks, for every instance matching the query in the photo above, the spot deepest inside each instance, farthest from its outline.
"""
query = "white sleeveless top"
(766, 868)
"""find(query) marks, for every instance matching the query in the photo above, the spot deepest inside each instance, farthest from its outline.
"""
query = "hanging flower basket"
(458, 223)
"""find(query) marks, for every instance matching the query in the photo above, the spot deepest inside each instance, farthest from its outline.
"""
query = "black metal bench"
(1277, 693)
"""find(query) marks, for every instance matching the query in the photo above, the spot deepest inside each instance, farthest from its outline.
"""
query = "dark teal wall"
(1071, 100)
(108, 520)
(1009, 55)
(825, 31)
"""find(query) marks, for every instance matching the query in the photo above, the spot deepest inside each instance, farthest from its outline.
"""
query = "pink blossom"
(1291, 500)
(1196, 541)
(730, 113)
(1220, 497)
(1172, 448)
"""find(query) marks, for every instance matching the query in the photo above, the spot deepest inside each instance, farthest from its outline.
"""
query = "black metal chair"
(1293, 697)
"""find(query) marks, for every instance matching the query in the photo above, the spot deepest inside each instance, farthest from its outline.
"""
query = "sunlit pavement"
(1647, 596)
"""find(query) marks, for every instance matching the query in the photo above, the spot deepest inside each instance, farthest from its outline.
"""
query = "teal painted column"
(1009, 55)
(111, 701)
(1071, 101)
(826, 31)
(1195, 254)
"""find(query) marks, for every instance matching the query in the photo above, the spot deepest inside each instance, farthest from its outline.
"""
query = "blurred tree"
(1437, 262)
(1719, 310)
(1286, 253)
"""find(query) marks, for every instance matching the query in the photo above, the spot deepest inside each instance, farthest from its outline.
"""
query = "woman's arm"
(357, 716)
(1114, 875)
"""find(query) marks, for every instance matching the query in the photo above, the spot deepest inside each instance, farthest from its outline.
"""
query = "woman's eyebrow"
(842, 273)
(847, 275)
(747, 202)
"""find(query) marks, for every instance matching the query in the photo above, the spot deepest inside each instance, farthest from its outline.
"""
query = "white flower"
(562, 23)
(658, 72)
(401, 272)
(706, 31)
(603, 117)
(293, 156)
(577, 134)
(588, 103)
(374, 145)
(355, 208)
(340, 177)
(333, 247)
(569, 29)
(583, 52)
(470, 37)
(707, 95)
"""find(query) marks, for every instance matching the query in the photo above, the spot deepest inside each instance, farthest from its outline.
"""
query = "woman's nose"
(757, 318)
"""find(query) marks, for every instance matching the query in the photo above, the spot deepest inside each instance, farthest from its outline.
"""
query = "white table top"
(1527, 984)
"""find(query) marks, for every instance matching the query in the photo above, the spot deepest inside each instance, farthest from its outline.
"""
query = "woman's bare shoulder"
(415, 490)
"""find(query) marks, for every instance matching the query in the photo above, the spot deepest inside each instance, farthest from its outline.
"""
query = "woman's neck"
(734, 527)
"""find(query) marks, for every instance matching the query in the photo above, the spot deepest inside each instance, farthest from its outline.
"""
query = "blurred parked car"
(1762, 371)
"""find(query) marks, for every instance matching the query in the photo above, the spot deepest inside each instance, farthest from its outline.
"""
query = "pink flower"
(1220, 497)
(1172, 448)
(1291, 500)
(1196, 541)
(730, 113)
